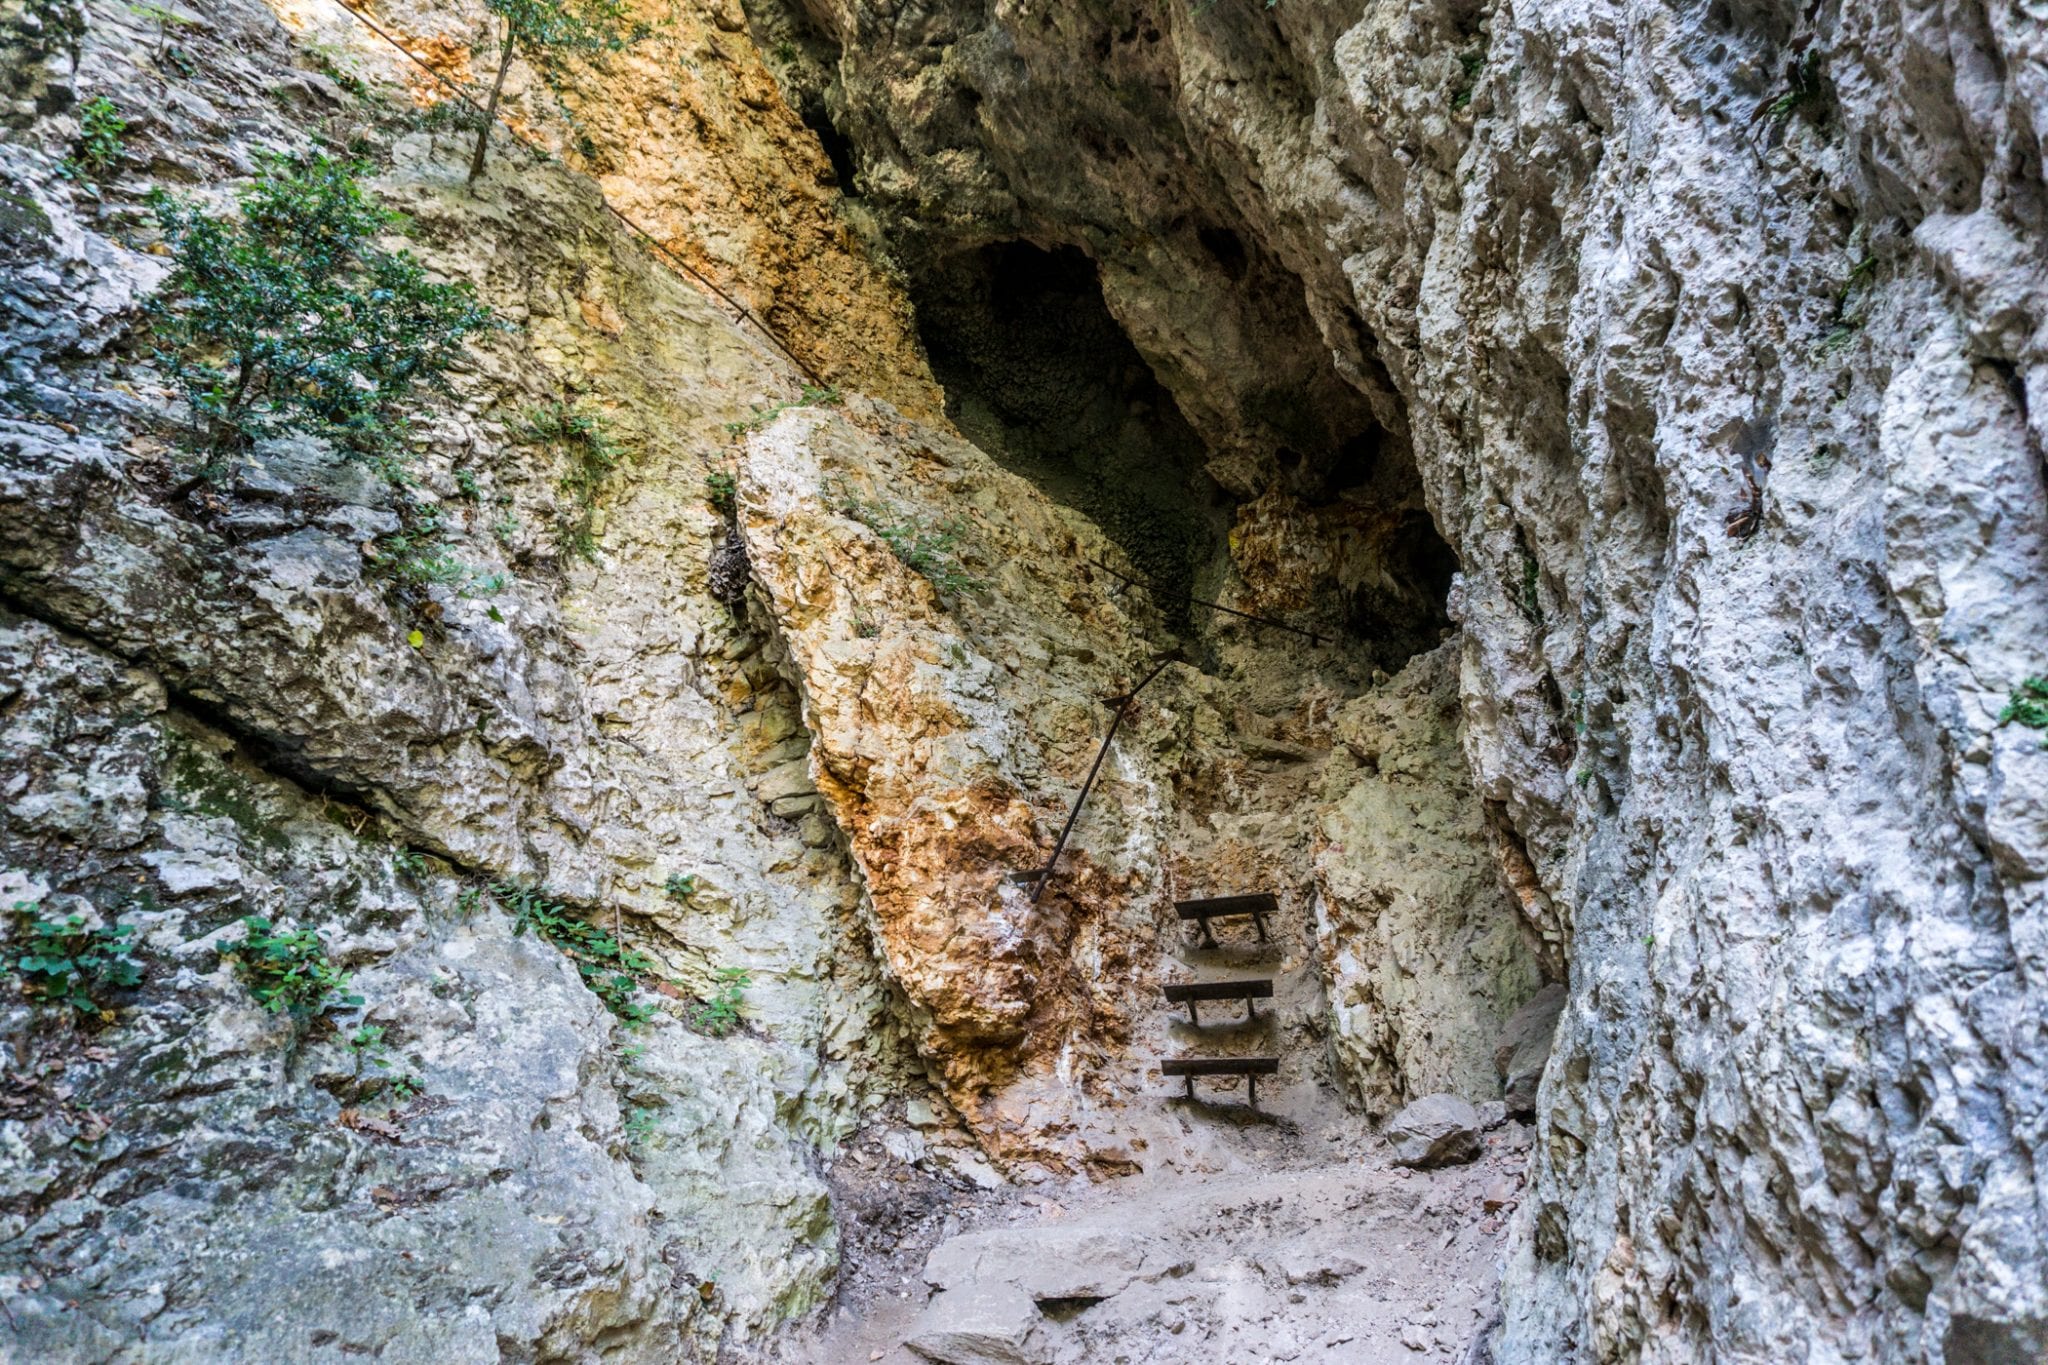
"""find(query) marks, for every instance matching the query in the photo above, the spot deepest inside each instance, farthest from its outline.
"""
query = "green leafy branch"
(608, 967)
(290, 313)
(65, 963)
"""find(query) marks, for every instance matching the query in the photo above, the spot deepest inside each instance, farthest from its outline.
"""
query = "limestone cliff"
(1624, 424)
(1714, 338)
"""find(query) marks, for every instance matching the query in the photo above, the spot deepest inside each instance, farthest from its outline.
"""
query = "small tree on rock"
(548, 33)
(291, 312)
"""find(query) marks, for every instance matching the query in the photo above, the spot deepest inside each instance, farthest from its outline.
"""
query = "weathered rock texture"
(217, 706)
(1705, 345)
(685, 134)
(1420, 944)
(1715, 337)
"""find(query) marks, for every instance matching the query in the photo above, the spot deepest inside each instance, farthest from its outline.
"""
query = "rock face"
(1524, 1048)
(216, 706)
(1715, 339)
(1422, 948)
(1643, 408)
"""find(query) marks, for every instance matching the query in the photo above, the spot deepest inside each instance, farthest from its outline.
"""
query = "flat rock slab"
(1436, 1130)
(1045, 1262)
(981, 1323)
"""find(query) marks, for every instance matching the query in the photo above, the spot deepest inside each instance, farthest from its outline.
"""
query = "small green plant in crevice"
(720, 1014)
(1802, 90)
(289, 315)
(813, 396)
(418, 556)
(721, 490)
(98, 149)
(929, 547)
(611, 970)
(165, 20)
(289, 972)
(1470, 64)
(1851, 303)
(640, 1125)
(1527, 588)
(409, 864)
(2028, 706)
(66, 963)
(680, 886)
(338, 64)
(584, 438)
(370, 1046)
(466, 486)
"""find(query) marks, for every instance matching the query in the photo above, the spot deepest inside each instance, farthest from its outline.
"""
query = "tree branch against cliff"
(292, 313)
(548, 33)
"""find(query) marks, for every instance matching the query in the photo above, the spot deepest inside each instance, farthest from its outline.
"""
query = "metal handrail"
(1155, 590)
(1123, 708)
(661, 249)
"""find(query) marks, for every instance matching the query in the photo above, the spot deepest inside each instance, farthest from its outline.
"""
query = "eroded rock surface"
(1715, 338)
(1639, 411)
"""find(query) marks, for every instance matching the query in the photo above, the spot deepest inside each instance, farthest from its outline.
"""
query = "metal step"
(1191, 993)
(1258, 906)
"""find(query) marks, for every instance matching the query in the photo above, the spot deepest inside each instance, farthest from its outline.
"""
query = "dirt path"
(1349, 1260)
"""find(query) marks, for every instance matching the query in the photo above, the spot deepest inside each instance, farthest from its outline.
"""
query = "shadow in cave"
(1038, 374)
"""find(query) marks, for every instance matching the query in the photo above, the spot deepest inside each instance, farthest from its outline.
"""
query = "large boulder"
(1436, 1130)
(1523, 1048)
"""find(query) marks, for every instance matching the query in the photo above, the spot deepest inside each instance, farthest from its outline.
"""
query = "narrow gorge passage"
(563, 564)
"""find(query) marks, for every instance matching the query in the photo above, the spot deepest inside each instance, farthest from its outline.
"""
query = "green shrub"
(64, 963)
(289, 973)
(720, 1014)
(680, 886)
(2028, 705)
(608, 967)
(98, 149)
(722, 491)
(290, 314)
(584, 437)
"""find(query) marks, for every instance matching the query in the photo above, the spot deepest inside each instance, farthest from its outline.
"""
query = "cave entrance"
(1040, 375)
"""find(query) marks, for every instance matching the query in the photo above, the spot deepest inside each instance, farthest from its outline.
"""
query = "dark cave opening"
(837, 146)
(1038, 374)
